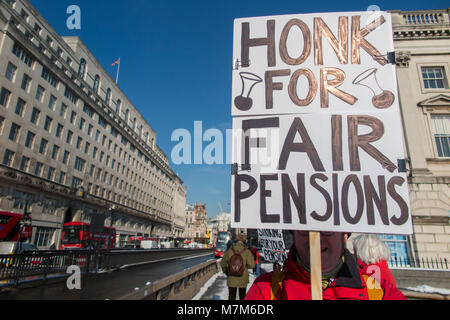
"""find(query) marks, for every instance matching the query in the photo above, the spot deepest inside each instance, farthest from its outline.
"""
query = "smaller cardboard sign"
(272, 245)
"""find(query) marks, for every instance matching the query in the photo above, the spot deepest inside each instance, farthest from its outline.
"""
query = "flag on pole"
(116, 63)
(118, 68)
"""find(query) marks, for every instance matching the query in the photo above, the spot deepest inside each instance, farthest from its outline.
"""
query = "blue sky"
(176, 62)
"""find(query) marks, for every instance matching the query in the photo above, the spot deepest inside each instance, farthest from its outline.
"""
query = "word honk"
(327, 80)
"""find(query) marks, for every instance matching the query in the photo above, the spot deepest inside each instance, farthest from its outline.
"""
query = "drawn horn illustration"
(382, 99)
(249, 80)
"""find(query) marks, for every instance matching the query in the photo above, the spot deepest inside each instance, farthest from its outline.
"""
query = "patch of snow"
(428, 289)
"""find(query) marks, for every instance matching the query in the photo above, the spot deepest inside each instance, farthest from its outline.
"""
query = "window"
(102, 122)
(20, 107)
(40, 93)
(37, 28)
(398, 246)
(79, 142)
(59, 130)
(55, 152)
(10, 72)
(51, 173)
(48, 123)
(35, 116)
(108, 97)
(22, 54)
(52, 102)
(69, 137)
(29, 140)
(24, 164)
(73, 116)
(69, 94)
(21, 199)
(79, 164)
(441, 124)
(96, 83)
(88, 110)
(4, 97)
(14, 132)
(24, 14)
(38, 169)
(65, 158)
(81, 126)
(25, 82)
(76, 182)
(62, 178)
(118, 105)
(2, 121)
(8, 158)
(86, 147)
(82, 68)
(43, 236)
(62, 111)
(49, 76)
(434, 78)
(43, 146)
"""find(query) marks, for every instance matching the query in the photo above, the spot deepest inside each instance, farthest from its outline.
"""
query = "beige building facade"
(72, 145)
(422, 46)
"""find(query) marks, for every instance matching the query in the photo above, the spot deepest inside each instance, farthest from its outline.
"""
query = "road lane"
(108, 285)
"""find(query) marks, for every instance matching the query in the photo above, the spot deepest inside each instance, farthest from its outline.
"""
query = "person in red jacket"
(373, 255)
(342, 276)
(256, 255)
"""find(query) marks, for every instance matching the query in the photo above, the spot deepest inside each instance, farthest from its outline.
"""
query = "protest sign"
(272, 245)
(317, 132)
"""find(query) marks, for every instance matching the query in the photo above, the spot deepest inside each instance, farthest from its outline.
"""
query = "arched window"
(108, 97)
(96, 83)
(118, 105)
(127, 114)
(82, 68)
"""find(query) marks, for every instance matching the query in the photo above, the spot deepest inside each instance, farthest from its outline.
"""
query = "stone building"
(422, 46)
(195, 223)
(220, 222)
(72, 145)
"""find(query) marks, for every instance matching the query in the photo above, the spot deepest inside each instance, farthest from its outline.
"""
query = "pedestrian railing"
(41, 264)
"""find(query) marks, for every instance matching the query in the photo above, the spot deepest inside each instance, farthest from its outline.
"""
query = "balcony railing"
(416, 18)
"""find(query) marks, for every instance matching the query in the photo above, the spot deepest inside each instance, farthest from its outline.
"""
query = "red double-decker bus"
(10, 228)
(77, 235)
(222, 242)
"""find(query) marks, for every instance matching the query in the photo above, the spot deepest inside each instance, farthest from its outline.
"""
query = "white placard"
(272, 245)
(330, 62)
(317, 132)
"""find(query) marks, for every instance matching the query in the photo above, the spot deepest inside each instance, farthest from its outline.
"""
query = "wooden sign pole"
(315, 266)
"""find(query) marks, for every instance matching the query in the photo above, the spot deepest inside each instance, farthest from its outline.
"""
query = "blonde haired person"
(374, 255)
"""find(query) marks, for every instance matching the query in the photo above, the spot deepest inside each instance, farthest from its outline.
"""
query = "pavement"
(216, 287)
